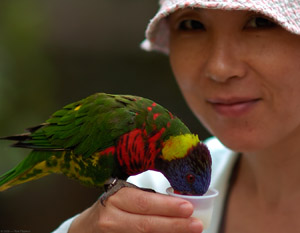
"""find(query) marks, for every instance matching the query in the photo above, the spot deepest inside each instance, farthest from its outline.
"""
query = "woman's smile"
(233, 107)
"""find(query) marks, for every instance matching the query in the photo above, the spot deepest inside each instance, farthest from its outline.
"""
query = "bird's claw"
(113, 185)
(110, 184)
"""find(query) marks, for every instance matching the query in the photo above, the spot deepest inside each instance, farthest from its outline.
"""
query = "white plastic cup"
(203, 205)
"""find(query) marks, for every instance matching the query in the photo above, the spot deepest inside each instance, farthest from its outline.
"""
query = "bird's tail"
(35, 166)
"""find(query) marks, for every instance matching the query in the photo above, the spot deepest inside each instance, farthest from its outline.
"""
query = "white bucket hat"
(285, 12)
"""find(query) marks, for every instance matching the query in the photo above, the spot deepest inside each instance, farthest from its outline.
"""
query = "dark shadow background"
(53, 52)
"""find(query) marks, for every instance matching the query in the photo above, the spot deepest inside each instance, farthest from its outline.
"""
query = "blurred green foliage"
(27, 78)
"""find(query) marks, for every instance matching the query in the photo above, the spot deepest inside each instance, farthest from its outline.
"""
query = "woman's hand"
(136, 211)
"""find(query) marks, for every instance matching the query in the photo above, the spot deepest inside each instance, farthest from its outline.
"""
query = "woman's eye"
(260, 22)
(190, 24)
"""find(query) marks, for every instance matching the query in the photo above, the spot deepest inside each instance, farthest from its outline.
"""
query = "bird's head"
(186, 163)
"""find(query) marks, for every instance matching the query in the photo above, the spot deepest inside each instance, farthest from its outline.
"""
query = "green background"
(53, 52)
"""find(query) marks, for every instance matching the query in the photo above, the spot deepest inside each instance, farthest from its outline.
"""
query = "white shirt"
(223, 161)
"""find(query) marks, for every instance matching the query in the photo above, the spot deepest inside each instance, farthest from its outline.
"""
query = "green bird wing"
(97, 122)
(86, 126)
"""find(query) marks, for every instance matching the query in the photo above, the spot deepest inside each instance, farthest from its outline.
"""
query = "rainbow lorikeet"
(104, 136)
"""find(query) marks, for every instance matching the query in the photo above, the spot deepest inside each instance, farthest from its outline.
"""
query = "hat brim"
(285, 13)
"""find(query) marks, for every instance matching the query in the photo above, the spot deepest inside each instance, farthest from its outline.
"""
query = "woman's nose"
(224, 61)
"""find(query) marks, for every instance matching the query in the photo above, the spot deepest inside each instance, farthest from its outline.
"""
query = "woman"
(236, 63)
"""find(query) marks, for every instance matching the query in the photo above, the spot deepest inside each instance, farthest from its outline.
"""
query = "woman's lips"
(233, 107)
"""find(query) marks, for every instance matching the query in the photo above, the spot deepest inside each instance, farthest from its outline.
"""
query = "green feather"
(80, 140)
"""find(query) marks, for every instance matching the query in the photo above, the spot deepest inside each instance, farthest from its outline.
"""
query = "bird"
(103, 139)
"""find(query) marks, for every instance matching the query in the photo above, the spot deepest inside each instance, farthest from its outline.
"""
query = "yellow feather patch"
(177, 146)
(68, 163)
(75, 168)
(38, 171)
(77, 108)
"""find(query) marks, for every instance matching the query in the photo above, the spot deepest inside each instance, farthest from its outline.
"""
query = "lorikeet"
(104, 136)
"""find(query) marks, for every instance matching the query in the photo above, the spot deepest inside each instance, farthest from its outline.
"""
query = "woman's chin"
(241, 144)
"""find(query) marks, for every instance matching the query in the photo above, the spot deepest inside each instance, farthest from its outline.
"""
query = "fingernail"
(196, 226)
(186, 209)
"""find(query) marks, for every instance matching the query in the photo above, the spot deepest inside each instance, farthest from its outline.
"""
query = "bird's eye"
(190, 178)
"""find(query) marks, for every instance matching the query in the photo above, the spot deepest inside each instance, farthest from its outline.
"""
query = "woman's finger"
(147, 203)
(116, 220)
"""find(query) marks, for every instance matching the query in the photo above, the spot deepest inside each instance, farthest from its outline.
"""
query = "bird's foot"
(113, 185)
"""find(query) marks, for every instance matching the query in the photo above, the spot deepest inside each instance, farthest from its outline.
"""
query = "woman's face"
(240, 74)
